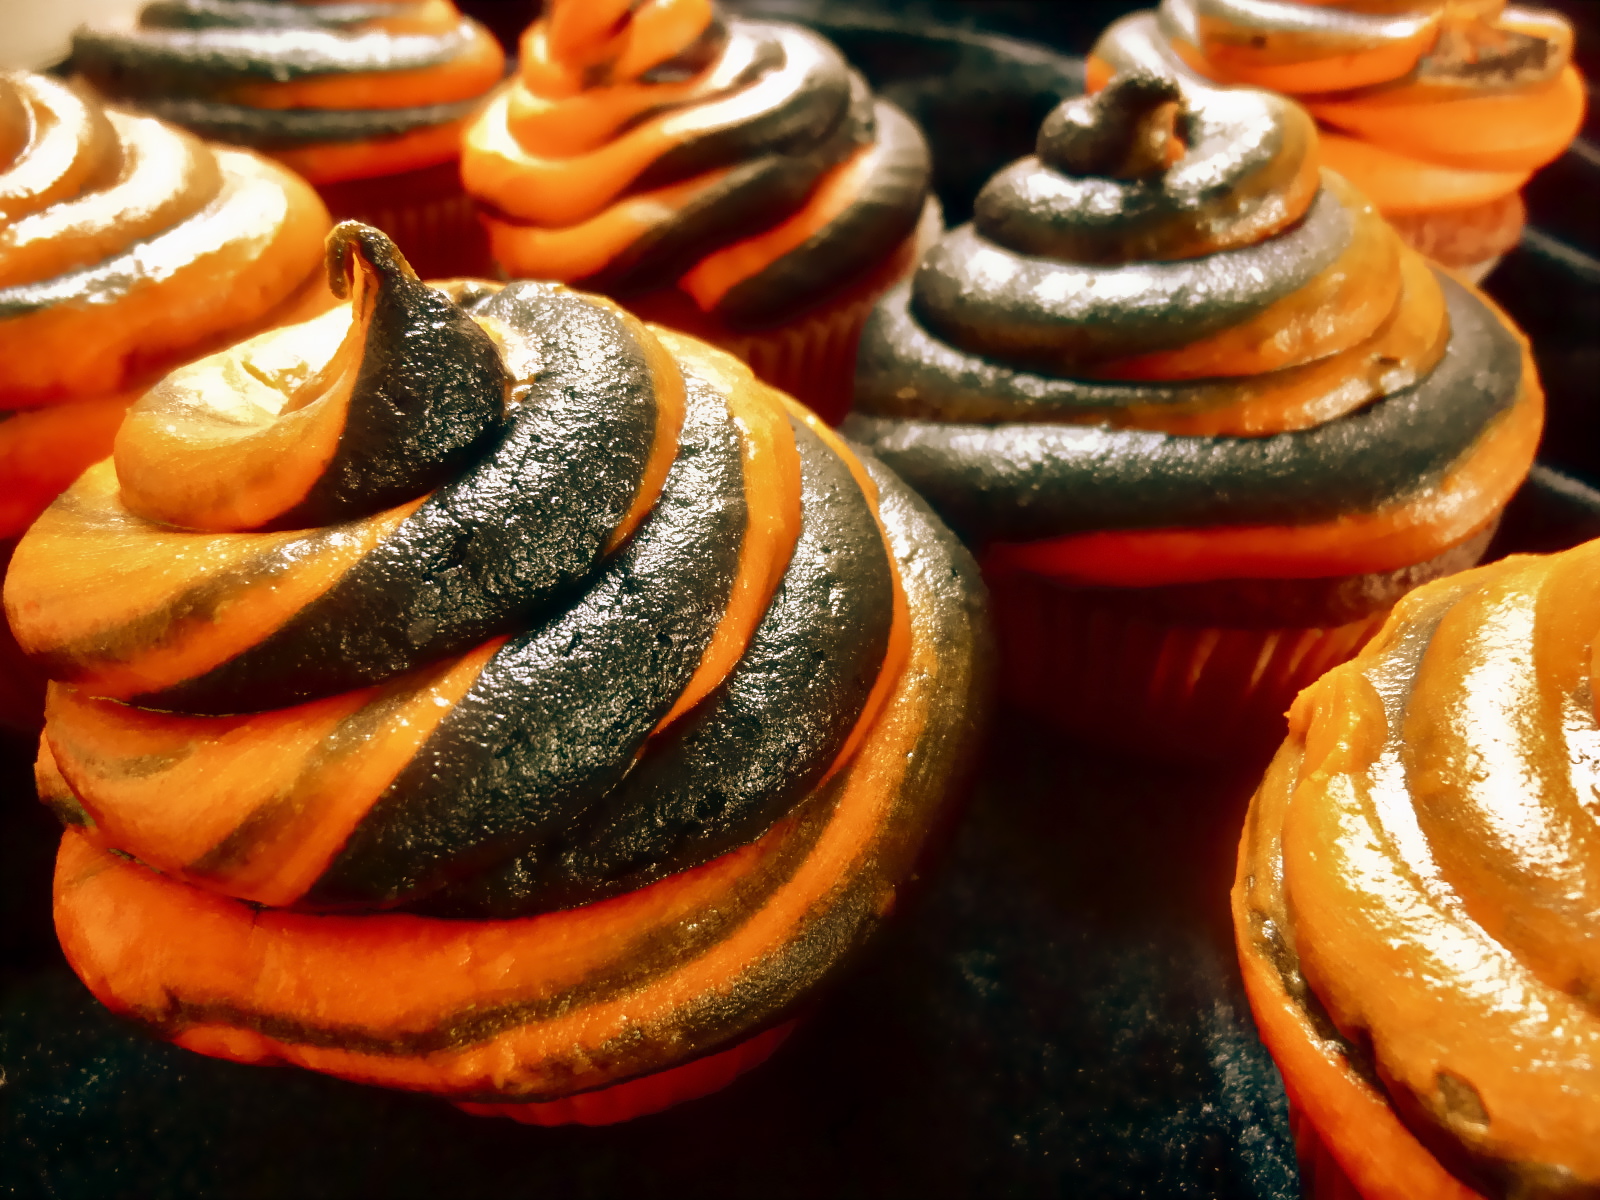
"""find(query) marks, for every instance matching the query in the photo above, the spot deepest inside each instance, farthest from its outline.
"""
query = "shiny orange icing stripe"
(337, 162)
(1398, 183)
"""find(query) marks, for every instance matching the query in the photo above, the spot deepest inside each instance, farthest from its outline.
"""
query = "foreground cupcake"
(731, 178)
(1417, 896)
(1207, 415)
(126, 246)
(488, 695)
(1437, 111)
(367, 100)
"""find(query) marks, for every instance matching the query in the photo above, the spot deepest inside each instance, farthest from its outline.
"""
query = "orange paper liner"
(647, 1094)
(1075, 659)
(1470, 240)
(426, 213)
(1321, 1176)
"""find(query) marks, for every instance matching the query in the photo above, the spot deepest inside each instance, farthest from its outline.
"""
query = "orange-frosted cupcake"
(126, 246)
(1206, 414)
(476, 691)
(1418, 898)
(1437, 111)
(731, 178)
(367, 100)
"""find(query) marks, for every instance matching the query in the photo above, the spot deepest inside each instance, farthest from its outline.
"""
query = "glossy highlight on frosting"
(1169, 327)
(336, 91)
(1426, 107)
(538, 640)
(125, 245)
(1416, 898)
(663, 145)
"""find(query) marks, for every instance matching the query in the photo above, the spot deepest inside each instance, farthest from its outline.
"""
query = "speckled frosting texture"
(664, 145)
(304, 82)
(1169, 319)
(1416, 900)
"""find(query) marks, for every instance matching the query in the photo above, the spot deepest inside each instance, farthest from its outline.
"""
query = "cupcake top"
(1419, 885)
(643, 146)
(481, 600)
(123, 235)
(1482, 92)
(336, 91)
(1168, 318)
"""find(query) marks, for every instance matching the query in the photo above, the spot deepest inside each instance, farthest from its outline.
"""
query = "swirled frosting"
(483, 600)
(1419, 881)
(1168, 319)
(1425, 106)
(659, 144)
(337, 91)
(125, 244)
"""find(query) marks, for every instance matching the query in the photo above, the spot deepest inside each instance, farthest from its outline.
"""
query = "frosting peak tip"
(349, 241)
(1122, 132)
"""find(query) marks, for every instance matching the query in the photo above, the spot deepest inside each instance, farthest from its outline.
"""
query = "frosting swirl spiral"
(476, 599)
(336, 91)
(1418, 883)
(646, 145)
(1170, 320)
(124, 245)
(1432, 106)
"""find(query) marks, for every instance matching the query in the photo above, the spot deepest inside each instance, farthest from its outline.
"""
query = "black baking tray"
(1055, 1013)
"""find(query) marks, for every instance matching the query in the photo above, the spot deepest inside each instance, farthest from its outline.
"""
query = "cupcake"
(1204, 413)
(367, 101)
(1438, 111)
(126, 246)
(733, 179)
(1417, 895)
(547, 715)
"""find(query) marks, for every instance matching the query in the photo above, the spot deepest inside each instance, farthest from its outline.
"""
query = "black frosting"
(283, 128)
(494, 548)
(1025, 480)
(725, 771)
(557, 714)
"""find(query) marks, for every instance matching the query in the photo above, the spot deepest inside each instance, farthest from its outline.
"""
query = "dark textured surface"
(1038, 480)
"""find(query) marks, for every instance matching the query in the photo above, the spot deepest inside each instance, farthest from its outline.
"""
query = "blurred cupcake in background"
(1204, 412)
(367, 100)
(1437, 111)
(126, 248)
(733, 179)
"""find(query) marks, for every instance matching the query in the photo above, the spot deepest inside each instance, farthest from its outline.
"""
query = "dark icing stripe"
(556, 717)
(883, 214)
(991, 301)
(1065, 204)
(750, 751)
(488, 552)
(262, 14)
(739, 204)
(277, 128)
(430, 389)
(1022, 481)
(148, 61)
(902, 370)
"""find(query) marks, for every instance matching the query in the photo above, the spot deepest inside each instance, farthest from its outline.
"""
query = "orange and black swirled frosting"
(1419, 885)
(125, 244)
(660, 144)
(337, 91)
(1169, 319)
(485, 602)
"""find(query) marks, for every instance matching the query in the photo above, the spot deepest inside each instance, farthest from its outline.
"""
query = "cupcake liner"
(427, 214)
(649, 1093)
(1321, 1176)
(1075, 658)
(21, 683)
(1469, 240)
